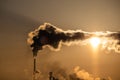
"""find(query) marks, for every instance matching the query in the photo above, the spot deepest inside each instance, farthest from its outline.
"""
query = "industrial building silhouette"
(51, 77)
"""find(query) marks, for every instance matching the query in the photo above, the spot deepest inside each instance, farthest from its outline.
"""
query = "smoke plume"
(53, 37)
(62, 73)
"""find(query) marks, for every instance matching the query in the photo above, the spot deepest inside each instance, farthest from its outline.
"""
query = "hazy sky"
(19, 17)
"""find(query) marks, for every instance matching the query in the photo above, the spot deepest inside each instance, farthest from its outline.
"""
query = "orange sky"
(18, 18)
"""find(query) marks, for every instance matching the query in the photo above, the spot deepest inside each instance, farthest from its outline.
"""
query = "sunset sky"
(19, 17)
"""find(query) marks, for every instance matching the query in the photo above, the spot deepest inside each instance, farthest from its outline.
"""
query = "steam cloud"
(61, 73)
(53, 37)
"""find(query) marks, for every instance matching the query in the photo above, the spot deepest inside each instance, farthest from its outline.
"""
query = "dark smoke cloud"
(49, 35)
(53, 37)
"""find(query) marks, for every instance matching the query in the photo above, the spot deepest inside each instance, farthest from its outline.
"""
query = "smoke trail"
(53, 37)
(113, 41)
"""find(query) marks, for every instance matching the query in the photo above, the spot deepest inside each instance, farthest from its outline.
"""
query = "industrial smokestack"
(34, 69)
(34, 65)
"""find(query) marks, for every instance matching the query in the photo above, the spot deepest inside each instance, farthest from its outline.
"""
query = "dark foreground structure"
(51, 77)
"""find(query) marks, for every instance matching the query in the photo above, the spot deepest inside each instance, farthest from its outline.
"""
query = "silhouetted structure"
(35, 71)
(34, 65)
(51, 77)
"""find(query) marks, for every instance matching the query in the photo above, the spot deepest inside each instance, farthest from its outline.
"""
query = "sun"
(95, 41)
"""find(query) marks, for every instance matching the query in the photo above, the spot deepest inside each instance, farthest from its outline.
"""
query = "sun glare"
(95, 41)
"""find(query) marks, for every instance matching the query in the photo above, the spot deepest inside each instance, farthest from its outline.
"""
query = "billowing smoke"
(53, 37)
(113, 41)
(62, 73)
(81, 74)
